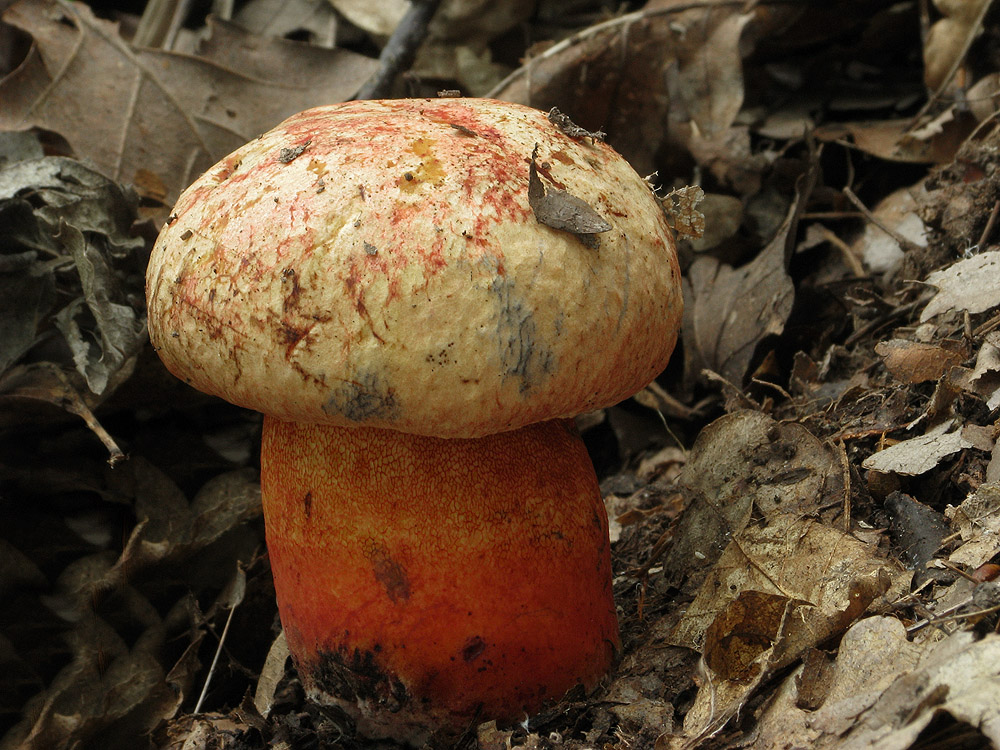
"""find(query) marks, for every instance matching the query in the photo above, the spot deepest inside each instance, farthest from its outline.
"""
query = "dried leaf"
(46, 382)
(897, 211)
(977, 521)
(949, 38)
(153, 117)
(683, 215)
(917, 362)
(888, 690)
(728, 311)
(120, 331)
(742, 463)
(24, 278)
(916, 530)
(278, 18)
(271, 674)
(785, 587)
(742, 633)
(594, 77)
(971, 284)
(376, 18)
(60, 215)
(919, 454)
(561, 210)
(710, 68)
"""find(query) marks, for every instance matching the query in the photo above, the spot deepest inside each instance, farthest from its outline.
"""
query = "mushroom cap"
(379, 263)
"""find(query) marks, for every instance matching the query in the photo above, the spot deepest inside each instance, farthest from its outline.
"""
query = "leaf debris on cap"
(561, 210)
(570, 128)
(290, 154)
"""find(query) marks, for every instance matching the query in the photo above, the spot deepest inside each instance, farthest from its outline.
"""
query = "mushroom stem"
(427, 583)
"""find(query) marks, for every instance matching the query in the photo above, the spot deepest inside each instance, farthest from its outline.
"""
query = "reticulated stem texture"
(426, 584)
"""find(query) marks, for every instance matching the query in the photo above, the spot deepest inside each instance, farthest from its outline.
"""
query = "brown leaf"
(561, 210)
(891, 139)
(728, 311)
(916, 362)
(742, 463)
(808, 582)
(147, 116)
(596, 78)
(734, 309)
(710, 68)
(683, 215)
(742, 633)
(46, 382)
(271, 674)
(949, 38)
(887, 689)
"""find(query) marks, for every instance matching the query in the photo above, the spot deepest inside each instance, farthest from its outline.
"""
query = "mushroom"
(373, 278)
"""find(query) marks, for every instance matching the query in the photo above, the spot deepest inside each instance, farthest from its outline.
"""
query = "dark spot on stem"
(473, 648)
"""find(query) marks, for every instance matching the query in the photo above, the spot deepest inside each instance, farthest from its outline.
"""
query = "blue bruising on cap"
(366, 397)
(522, 356)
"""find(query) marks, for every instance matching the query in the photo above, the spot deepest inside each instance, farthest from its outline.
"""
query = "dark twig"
(990, 223)
(401, 49)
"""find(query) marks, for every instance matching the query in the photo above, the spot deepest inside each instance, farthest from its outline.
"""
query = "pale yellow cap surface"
(378, 263)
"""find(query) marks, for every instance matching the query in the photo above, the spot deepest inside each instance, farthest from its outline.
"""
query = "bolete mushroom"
(373, 277)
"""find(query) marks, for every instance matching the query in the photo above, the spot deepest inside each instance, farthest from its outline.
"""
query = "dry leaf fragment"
(271, 674)
(971, 284)
(728, 311)
(897, 212)
(977, 521)
(596, 75)
(742, 633)
(745, 463)
(710, 67)
(570, 128)
(916, 362)
(156, 115)
(948, 39)
(810, 582)
(919, 454)
(917, 531)
(561, 210)
(888, 690)
(683, 216)
(891, 139)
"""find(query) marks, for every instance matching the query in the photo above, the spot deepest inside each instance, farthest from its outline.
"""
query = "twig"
(215, 660)
(990, 223)
(955, 65)
(73, 403)
(876, 323)
(903, 242)
(857, 268)
(401, 49)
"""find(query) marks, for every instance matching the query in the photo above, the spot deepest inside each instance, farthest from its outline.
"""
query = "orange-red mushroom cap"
(378, 263)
